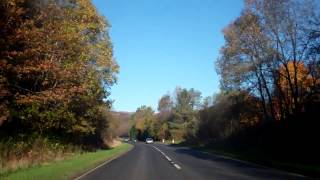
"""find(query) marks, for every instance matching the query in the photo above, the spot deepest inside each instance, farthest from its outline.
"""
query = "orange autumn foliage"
(304, 79)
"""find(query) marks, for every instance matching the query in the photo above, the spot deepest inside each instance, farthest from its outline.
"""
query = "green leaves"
(56, 61)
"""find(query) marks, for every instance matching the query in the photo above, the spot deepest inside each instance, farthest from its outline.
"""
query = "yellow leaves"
(11, 2)
(249, 120)
(31, 67)
(58, 94)
(56, 59)
(20, 11)
(139, 124)
(83, 127)
(302, 75)
(294, 82)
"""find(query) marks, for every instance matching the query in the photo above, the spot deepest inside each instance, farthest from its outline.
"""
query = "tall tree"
(56, 59)
(266, 43)
(145, 122)
(165, 104)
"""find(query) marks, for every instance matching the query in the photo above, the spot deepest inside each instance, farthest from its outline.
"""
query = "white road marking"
(252, 164)
(177, 166)
(106, 162)
(169, 159)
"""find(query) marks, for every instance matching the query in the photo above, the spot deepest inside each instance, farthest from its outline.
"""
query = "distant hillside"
(123, 119)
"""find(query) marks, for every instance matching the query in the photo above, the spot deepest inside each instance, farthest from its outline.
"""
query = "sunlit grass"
(67, 169)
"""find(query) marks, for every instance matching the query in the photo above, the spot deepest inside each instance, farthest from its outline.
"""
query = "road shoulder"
(110, 159)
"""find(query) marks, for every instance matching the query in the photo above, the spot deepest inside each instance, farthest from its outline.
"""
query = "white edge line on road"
(252, 164)
(169, 159)
(177, 166)
(106, 162)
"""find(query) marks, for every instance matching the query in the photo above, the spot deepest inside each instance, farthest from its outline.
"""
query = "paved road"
(151, 162)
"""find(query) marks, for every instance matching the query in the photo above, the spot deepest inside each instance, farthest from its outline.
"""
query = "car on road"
(126, 139)
(149, 140)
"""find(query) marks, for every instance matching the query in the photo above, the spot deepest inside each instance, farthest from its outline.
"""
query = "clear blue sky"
(162, 44)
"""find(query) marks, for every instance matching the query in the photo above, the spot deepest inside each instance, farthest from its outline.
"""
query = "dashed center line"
(168, 158)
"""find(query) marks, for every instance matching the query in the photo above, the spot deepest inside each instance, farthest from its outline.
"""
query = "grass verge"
(69, 168)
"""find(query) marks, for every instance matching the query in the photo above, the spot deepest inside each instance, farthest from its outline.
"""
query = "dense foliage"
(270, 84)
(269, 51)
(56, 64)
(177, 117)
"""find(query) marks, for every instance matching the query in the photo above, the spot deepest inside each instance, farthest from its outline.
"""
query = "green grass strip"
(69, 168)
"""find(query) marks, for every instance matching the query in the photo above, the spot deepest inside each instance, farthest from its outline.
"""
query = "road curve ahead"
(162, 162)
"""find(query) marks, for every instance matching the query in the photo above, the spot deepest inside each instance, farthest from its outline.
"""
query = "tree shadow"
(228, 165)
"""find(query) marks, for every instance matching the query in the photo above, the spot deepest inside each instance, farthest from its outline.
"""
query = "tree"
(231, 112)
(185, 115)
(145, 122)
(56, 61)
(164, 132)
(165, 104)
(207, 102)
(186, 103)
(266, 43)
(133, 132)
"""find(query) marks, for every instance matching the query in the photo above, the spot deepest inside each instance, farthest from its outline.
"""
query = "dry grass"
(114, 143)
(20, 154)
(67, 169)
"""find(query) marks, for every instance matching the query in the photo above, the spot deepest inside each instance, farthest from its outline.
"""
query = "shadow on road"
(236, 166)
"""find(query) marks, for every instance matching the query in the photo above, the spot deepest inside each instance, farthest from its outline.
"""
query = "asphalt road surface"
(162, 162)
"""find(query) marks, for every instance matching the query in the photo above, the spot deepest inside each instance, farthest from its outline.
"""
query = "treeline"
(269, 101)
(272, 54)
(176, 119)
(270, 76)
(185, 116)
(272, 51)
(56, 64)
(123, 122)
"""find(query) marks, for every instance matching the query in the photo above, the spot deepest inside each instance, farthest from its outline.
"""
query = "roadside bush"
(24, 151)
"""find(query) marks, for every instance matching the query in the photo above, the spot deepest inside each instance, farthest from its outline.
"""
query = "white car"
(149, 140)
